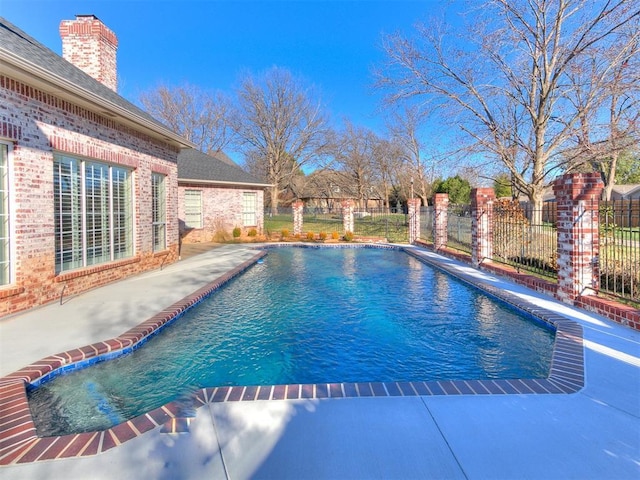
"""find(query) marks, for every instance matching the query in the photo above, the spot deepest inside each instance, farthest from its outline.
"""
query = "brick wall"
(577, 198)
(91, 46)
(298, 210)
(481, 225)
(440, 207)
(414, 219)
(221, 211)
(348, 207)
(38, 124)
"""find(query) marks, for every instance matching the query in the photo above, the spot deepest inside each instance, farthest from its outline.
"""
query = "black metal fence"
(522, 241)
(426, 223)
(459, 227)
(382, 223)
(619, 256)
(374, 223)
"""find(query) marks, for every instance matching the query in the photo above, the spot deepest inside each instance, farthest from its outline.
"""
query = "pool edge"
(19, 442)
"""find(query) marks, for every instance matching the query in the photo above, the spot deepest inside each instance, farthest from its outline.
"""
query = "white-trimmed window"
(5, 226)
(93, 212)
(249, 205)
(193, 208)
(159, 210)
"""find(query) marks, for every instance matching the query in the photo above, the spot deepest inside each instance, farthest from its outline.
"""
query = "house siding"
(221, 211)
(40, 124)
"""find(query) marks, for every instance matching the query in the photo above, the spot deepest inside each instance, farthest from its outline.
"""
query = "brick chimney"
(91, 46)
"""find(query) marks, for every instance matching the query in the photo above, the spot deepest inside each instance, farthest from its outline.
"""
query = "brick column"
(481, 225)
(440, 206)
(347, 215)
(577, 201)
(414, 219)
(298, 208)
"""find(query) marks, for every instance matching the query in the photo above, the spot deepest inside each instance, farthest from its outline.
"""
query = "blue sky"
(331, 44)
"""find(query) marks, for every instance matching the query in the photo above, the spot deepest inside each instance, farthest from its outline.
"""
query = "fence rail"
(367, 223)
(619, 256)
(459, 227)
(522, 244)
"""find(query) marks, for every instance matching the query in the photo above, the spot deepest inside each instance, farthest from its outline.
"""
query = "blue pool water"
(307, 315)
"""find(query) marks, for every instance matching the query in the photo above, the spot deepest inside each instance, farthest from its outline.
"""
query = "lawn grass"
(391, 226)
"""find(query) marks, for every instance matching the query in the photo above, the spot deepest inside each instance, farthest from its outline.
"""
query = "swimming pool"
(373, 299)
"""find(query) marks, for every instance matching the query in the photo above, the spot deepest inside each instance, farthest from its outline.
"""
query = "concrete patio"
(591, 434)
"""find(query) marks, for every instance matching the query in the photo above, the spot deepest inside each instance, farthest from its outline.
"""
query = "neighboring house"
(626, 192)
(215, 196)
(326, 189)
(88, 181)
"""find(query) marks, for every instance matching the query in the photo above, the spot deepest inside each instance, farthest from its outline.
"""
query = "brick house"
(88, 181)
(215, 196)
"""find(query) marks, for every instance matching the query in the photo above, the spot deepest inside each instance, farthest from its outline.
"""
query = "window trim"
(10, 231)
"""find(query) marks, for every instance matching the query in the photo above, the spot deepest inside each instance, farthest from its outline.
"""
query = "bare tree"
(387, 161)
(198, 115)
(611, 127)
(506, 87)
(280, 126)
(354, 151)
(404, 126)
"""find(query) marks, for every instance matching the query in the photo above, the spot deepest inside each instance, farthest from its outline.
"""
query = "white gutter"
(222, 182)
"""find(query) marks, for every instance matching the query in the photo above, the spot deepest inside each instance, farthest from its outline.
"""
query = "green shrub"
(348, 236)
(237, 232)
(253, 232)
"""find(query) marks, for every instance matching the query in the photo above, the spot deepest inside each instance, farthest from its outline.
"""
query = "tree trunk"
(536, 198)
(274, 200)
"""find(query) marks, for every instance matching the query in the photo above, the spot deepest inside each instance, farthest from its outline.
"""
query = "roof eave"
(15, 66)
(224, 183)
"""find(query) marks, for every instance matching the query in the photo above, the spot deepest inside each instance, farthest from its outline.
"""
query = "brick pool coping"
(19, 442)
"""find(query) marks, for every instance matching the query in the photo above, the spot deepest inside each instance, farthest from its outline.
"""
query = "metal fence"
(376, 223)
(521, 241)
(619, 256)
(459, 227)
(381, 223)
(276, 223)
(426, 223)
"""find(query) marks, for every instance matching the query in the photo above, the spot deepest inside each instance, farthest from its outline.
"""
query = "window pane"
(5, 254)
(159, 211)
(193, 208)
(249, 205)
(122, 218)
(68, 213)
(94, 225)
(97, 213)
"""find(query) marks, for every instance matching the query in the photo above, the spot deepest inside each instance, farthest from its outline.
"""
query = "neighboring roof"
(195, 166)
(24, 58)
(626, 190)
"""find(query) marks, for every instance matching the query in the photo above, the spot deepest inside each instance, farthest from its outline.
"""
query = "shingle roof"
(19, 44)
(195, 165)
